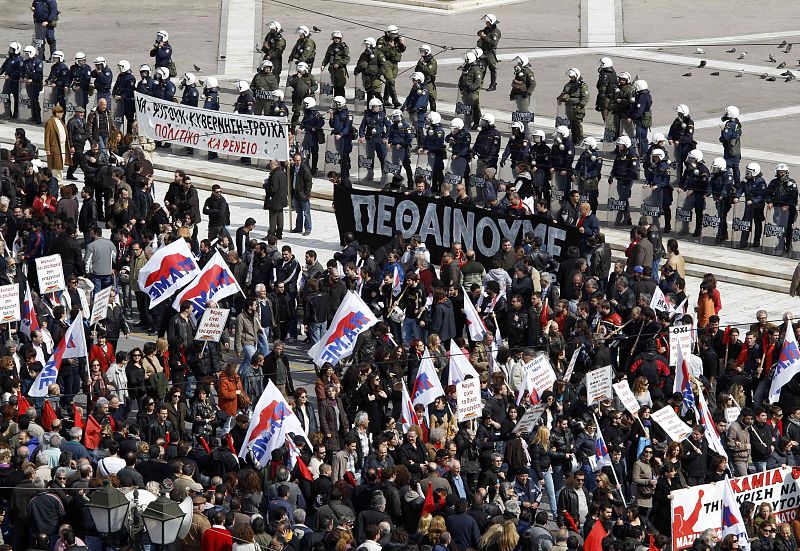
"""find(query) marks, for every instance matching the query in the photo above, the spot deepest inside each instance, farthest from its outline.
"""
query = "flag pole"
(613, 470)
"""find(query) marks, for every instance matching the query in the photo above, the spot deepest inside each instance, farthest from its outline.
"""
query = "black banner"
(375, 217)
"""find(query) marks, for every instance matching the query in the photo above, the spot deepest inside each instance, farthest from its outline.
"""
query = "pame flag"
(272, 421)
(683, 384)
(408, 416)
(352, 318)
(601, 455)
(30, 321)
(427, 386)
(73, 345)
(787, 367)
(732, 519)
(459, 365)
(475, 325)
(169, 269)
(214, 282)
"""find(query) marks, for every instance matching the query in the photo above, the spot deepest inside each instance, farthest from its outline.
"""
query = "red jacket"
(216, 538)
(104, 356)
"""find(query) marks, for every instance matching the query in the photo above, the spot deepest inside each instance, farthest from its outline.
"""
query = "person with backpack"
(654, 367)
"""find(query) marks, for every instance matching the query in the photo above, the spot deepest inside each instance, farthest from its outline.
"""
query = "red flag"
(48, 415)
(294, 457)
(112, 423)
(544, 317)
(594, 541)
(92, 434)
(205, 445)
(429, 506)
(77, 418)
(726, 336)
(229, 440)
(652, 544)
(22, 405)
(571, 521)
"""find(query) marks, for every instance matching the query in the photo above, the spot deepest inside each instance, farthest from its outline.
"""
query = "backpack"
(649, 370)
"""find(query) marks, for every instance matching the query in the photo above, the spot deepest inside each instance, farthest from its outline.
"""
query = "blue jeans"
(315, 332)
(551, 491)
(263, 342)
(247, 354)
(102, 139)
(303, 209)
(411, 330)
(101, 282)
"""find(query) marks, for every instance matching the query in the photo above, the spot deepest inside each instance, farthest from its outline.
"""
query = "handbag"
(397, 315)
(242, 401)
(173, 69)
(646, 491)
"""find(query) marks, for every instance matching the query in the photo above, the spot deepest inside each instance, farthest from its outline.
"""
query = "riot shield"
(454, 172)
(774, 240)
(6, 100)
(38, 40)
(325, 88)
(609, 137)
(464, 110)
(366, 161)
(725, 235)
(561, 115)
(562, 183)
(795, 241)
(652, 199)
(711, 220)
(117, 108)
(526, 118)
(683, 213)
(424, 167)
(619, 203)
(48, 99)
(505, 174)
(742, 226)
(25, 111)
(333, 154)
(393, 165)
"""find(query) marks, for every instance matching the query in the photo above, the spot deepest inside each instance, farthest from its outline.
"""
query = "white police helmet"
(370, 41)
(336, 34)
(417, 77)
(16, 48)
(606, 62)
(375, 102)
(682, 110)
(752, 170)
(303, 31)
(124, 66)
(537, 135)
(781, 168)
(639, 85)
(521, 59)
(79, 56)
(29, 52)
(101, 61)
(302, 67)
(624, 75)
(658, 138)
(242, 85)
(489, 18)
(163, 73)
(624, 141)
(339, 102)
(397, 115)
(470, 57)
(574, 72)
(309, 103)
(562, 131)
(658, 153)
(266, 64)
(516, 125)
(433, 117)
(278, 94)
(696, 154)
(162, 36)
(145, 69)
(732, 112)
(456, 124)
(211, 83)
(59, 54)
(590, 143)
(488, 118)
(189, 79)
(392, 30)
(718, 164)
(425, 50)
(275, 26)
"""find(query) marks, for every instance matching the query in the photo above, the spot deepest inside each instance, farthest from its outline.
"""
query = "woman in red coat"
(229, 388)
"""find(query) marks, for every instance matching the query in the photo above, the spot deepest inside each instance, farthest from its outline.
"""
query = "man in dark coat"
(463, 527)
(301, 186)
(276, 187)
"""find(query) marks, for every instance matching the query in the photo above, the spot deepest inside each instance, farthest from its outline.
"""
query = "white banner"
(51, 274)
(681, 334)
(598, 385)
(527, 423)
(254, 136)
(212, 324)
(572, 361)
(626, 396)
(9, 303)
(699, 508)
(468, 399)
(100, 306)
(672, 424)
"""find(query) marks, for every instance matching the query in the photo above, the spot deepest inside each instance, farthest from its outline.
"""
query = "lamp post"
(109, 509)
(163, 519)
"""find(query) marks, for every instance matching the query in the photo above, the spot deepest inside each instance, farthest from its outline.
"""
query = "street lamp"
(163, 519)
(109, 508)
